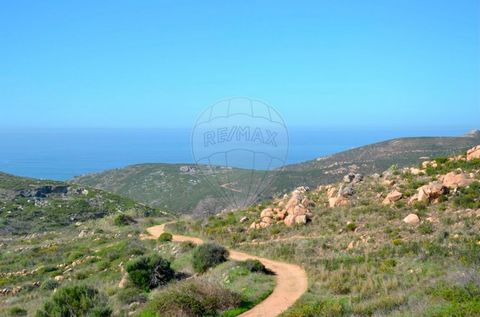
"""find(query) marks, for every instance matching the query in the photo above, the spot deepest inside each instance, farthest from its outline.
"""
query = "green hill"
(30, 205)
(182, 189)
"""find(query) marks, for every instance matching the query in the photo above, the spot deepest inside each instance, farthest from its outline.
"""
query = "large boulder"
(430, 192)
(473, 153)
(454, 180)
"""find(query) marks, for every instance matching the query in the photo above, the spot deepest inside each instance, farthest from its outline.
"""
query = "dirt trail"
(291, 280)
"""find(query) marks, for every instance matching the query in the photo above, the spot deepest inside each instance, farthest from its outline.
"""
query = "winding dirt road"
(291, 280)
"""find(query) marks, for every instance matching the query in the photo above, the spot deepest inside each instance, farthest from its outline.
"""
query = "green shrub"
(186, 246)
(351, 226)
(147, 272)
(131, 294)
(123, 220)
(254, 266)
(17, 311)
(50, 285)
(425, 227)
(208, 255)
(165, 237)
(78, 301)
(195, 297)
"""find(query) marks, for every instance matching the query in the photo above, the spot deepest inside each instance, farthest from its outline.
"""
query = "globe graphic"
(239, 145)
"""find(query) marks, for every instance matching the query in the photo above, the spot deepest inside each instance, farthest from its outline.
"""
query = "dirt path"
(291, 280)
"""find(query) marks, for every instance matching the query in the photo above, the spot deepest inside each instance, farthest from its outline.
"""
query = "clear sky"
(320, 63)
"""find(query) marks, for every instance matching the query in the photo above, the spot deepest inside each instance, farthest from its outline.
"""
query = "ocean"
(61, 154)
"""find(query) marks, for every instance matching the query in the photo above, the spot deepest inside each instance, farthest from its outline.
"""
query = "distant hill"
(178, 187)
(30, 205)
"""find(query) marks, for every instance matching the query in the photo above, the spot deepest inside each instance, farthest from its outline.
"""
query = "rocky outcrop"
(295, 210)
(473, 153)
(429, 193)
(454, 180)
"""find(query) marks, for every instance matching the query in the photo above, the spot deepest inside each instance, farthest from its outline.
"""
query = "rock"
(281, 215)
(302, 219)
(430, 192)
(82, 234)
(307, 202)
(337, 201)
(264, 224)
(411, 219)
(289, 220)
(348, 178)
(267, 220)
(415, 171)
(454, 180)
(389, 182)
(392, 197)
(254, 226)
(331, 192)
(352, 178)
(473, 153)
(299, 210)
(243, 219)
(123, 281)
(347, 191)
(59, 278)
(267, 212)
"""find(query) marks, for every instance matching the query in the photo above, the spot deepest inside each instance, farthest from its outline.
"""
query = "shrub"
(208, 255)
(17, 311)
(123, 220)
(195, 297)
(351, 226)
(254, 266)
(76, 300)
(425, 228)
(186, 246)
(131, 294)
(49, 285)
(329, 308)
(147, 272)
(165, 237)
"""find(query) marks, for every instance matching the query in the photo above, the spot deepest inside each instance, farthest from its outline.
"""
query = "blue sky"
(320, 63)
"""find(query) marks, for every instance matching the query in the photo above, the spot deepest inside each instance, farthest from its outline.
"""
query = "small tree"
(76, 301)
(208, 255)
(148, 272)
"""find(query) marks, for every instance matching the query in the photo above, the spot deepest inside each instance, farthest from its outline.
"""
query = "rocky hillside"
(183, 189)
(402, 242)
(30, 205)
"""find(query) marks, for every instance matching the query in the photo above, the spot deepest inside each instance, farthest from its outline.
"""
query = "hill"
(182, 189)
(31, 205)
(404, 242)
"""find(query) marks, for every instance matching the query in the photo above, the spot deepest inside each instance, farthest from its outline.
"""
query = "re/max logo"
(239, 134)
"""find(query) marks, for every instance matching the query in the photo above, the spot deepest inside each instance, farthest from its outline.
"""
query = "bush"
(208, 255)
(76, 300)
(147, 272)
(165, 237)
(187, 246)
(254, 266)
(49, 285)
(17, 311)
(425, 228)
(351, 227)
(329, 308)
(123, 220)
(195, 297)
